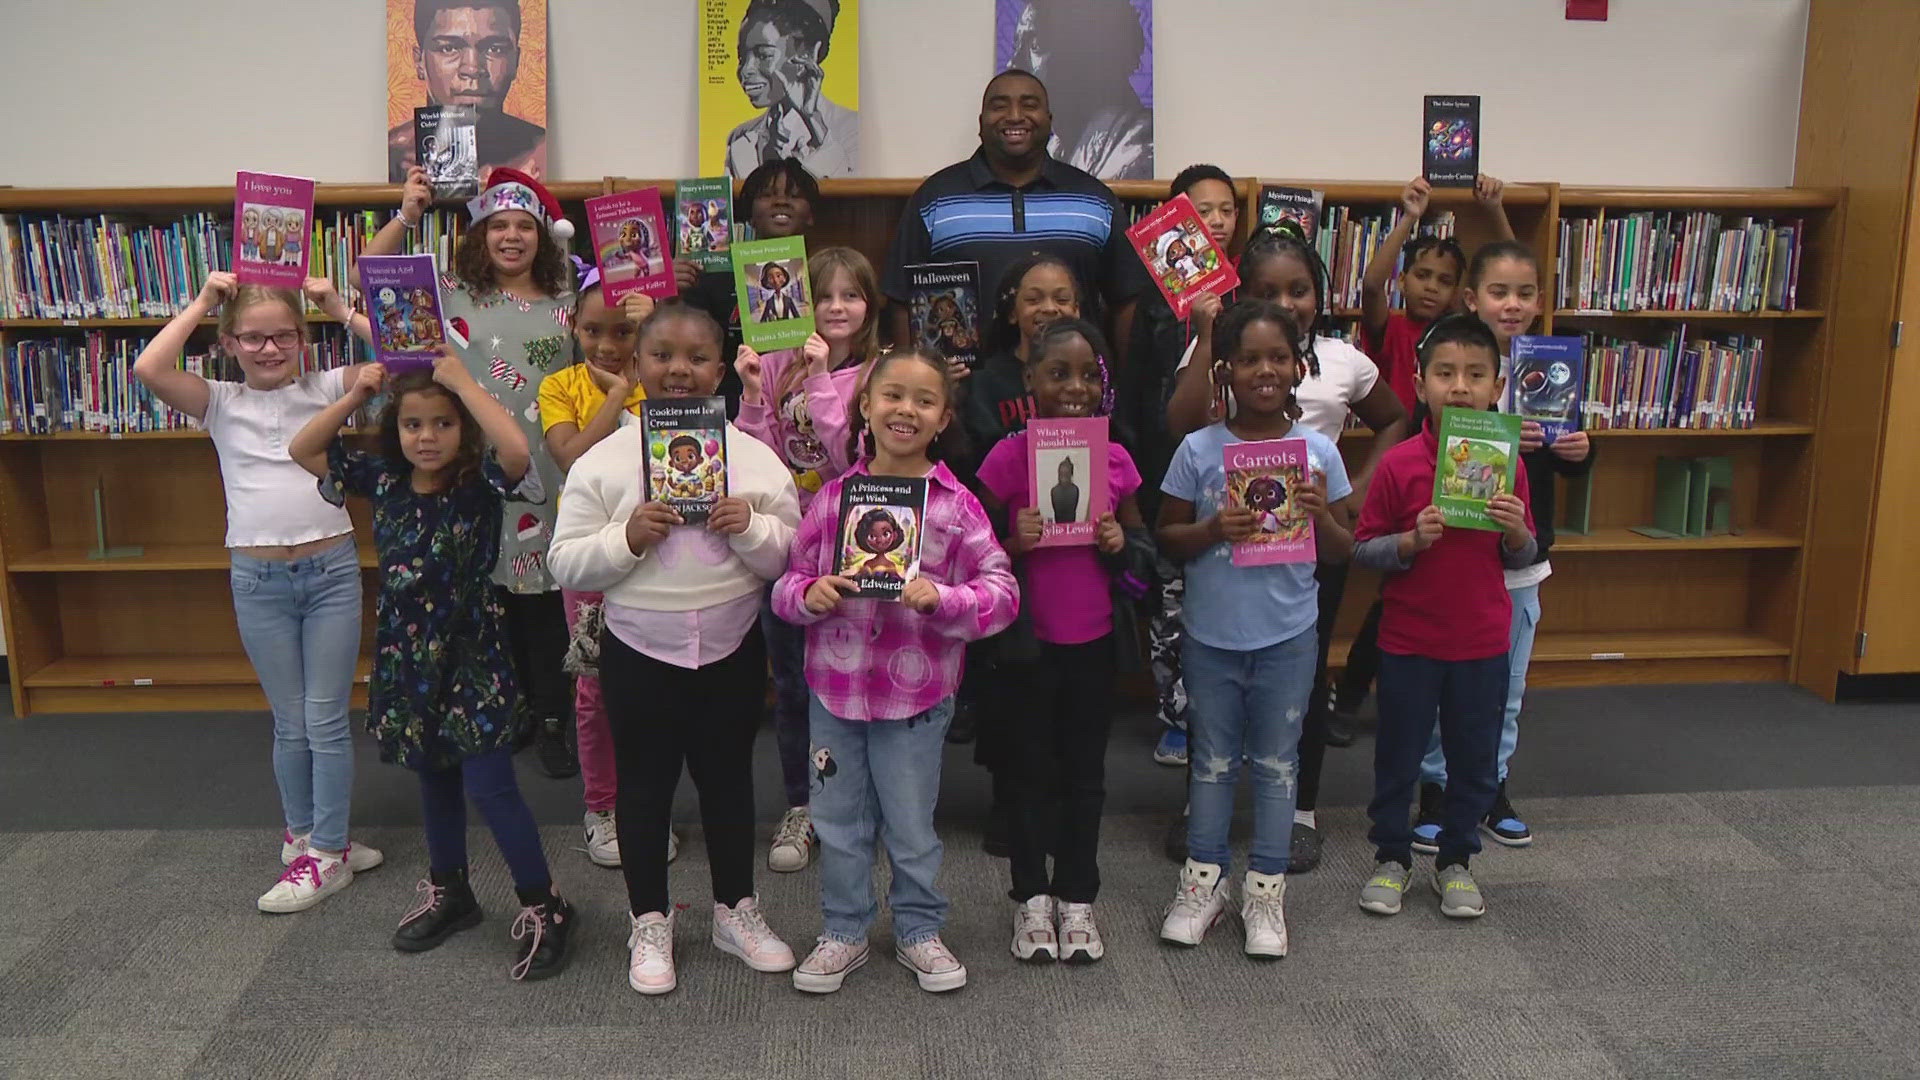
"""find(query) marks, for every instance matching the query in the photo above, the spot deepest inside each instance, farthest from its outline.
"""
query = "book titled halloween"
(686, 454)
(1264, 477)
(881, 520)
(1478, 453)
(943, 309)
(1180, 254)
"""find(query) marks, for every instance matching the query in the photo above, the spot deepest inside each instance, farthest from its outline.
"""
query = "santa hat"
(528, 528)
(511, 189)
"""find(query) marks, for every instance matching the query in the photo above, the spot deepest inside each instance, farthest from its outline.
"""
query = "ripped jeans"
(1245, 705)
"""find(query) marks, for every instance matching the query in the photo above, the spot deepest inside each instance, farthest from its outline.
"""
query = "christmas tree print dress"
(509, 345)
(443, 685)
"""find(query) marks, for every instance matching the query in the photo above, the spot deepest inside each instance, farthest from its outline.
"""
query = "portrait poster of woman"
(779, 78)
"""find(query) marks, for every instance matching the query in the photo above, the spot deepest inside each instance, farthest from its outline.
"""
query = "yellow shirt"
(569, 396)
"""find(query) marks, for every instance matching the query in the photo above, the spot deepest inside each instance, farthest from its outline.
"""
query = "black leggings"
(1313, 730)
(537, 639)
(1065, 711)
(661, 715)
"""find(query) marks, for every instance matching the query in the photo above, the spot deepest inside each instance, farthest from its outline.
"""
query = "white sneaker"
(933, 964)
(792, 843)
(743, 931)
(1079, 937)
(1261, 914)
(650, 954)
(309, 880)
(1199, 903)
(603, 838)
(1033, 936)
(360, 857)
(828, 965)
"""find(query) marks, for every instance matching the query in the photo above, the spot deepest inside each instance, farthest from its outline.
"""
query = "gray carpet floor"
(1724, 885)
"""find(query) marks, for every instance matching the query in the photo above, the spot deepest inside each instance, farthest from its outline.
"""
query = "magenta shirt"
(1068, 591)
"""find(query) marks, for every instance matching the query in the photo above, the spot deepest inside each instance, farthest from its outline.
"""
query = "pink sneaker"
(933, 964)
(828, 966)
(743, 931)
(650, 956)
(308, 881)
(359, 856)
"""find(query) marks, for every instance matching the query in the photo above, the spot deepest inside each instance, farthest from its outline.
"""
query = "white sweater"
(693, 568)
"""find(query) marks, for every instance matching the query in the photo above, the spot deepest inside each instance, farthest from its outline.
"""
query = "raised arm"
(1488, 191)
(309, 445)
(328, 299)
(1190, 408)
(566, 440)
(158, 367)
(499, 427)
(415, 197)
(1373, 282)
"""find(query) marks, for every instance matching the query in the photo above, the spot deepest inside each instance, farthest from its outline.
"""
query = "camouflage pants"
(1163, 648)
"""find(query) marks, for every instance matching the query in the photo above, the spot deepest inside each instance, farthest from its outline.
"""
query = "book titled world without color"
(630, 245)
(1544, 386)
(1067, 474)
(1450, 140)
(1478, 453)
(272, 229)
(943, 306)
(686, 454)
(1180, 254)
(1264, 477)
(446, 143)
(879, 535)
(403, 304)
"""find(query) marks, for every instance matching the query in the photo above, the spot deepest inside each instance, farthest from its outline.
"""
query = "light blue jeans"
(300, 624)
(1245, 705)
(878, 778)
(1526, 621)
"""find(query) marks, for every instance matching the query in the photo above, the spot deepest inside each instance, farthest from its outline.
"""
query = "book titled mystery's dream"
(686, 454)
(879, 538)
(1450, 140)
(943, 309)
(446, 143)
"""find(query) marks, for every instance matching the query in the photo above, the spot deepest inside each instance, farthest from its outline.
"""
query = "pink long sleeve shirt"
(809, 429)
(880, 659)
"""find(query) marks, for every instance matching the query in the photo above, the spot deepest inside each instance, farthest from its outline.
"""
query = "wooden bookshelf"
(156, 631)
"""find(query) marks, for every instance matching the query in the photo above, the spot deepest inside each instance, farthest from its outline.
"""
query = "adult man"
(1011, 199)
(468, 52)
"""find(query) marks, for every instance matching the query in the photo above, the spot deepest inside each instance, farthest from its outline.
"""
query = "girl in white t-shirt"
(1283, 268)
(295, 570)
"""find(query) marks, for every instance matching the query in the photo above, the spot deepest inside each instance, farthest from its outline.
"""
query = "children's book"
(446, 143)
(880, 522)
(1548, 373)
(272, 229)
(703, 221)
(1672, 497)
(1067, 471)
(1180, 255)
(1478, 453)
(776, 300)
(686, 453)
(403, 303)
(1262, 477)
(1450, 140)
(1299, 207)
(943, 308)
(630, 244)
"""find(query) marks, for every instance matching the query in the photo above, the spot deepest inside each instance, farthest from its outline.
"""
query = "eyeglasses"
(254, 342)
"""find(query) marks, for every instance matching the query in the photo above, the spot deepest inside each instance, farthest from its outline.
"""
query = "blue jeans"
(300, 623)
(1466, 694)
(878, 777)
(787, 658)
(1526, 621)
(1245, 705)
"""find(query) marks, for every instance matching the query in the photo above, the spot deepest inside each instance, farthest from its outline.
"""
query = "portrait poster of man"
(1096, 59)
(779, 78)
(487, 54)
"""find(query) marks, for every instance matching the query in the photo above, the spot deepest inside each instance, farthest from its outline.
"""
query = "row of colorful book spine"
(1348, 240)
(86, 383)
(110, 268)
(1678, 261)
(1701, 384)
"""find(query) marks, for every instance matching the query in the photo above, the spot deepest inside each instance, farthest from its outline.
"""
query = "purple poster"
(1096, 59)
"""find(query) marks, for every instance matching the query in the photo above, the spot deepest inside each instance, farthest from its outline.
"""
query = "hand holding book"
(649, 525)
(920, 595)
(415, 197)
(826, 593)
(1027, 526)
(1108, 535)
(731, 515)
(1508, 512)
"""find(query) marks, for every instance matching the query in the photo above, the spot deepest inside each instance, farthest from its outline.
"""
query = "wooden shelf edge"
(122, 672)
(1744, 198)
(1626, 540)
(1568, 646)
(1597, 313)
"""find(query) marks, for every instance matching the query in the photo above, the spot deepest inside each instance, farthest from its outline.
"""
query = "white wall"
(1670, 92)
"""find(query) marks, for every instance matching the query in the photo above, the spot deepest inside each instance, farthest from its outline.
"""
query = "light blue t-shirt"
(1244, 607)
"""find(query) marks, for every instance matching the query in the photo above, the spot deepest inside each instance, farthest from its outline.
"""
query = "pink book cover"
(1180, 254)
(272, 229)
(630, 244)
(1067, 474)
(1262, 476)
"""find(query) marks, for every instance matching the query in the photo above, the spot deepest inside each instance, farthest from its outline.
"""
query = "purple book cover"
(271, 229)
(1067, 476)
(1096, 58)
(1262, 476)
(403, 303)
(630, 244)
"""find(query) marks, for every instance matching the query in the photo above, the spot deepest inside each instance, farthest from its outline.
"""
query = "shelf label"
(143, 682)
(1607, 656)
(69, 322)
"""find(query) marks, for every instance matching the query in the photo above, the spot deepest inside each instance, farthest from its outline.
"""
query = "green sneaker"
(1381, 894)
(1459, 894)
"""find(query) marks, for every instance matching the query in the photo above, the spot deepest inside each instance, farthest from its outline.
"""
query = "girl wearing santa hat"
(508, 299)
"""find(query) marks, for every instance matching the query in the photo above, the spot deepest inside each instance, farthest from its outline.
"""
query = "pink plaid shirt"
(879, 659)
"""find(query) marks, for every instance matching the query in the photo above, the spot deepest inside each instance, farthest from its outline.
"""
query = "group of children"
(514, 537)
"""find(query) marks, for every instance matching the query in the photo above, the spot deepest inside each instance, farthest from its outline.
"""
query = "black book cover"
(880, 526)
(446, 142)
(1450, 140)
(686, 454)
(1298, 206)
(943, 309)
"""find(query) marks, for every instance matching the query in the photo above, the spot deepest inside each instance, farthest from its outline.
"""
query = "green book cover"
(703, 221)
(1710, 496)
(1672, 488)
(1478, 453)
(776, 300)
(1579, 507)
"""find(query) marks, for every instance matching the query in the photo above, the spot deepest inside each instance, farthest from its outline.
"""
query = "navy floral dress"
(443, 687)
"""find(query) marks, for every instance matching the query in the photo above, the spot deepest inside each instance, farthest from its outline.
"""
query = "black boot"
(446, 907)
(556, 757)
(540, 938)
